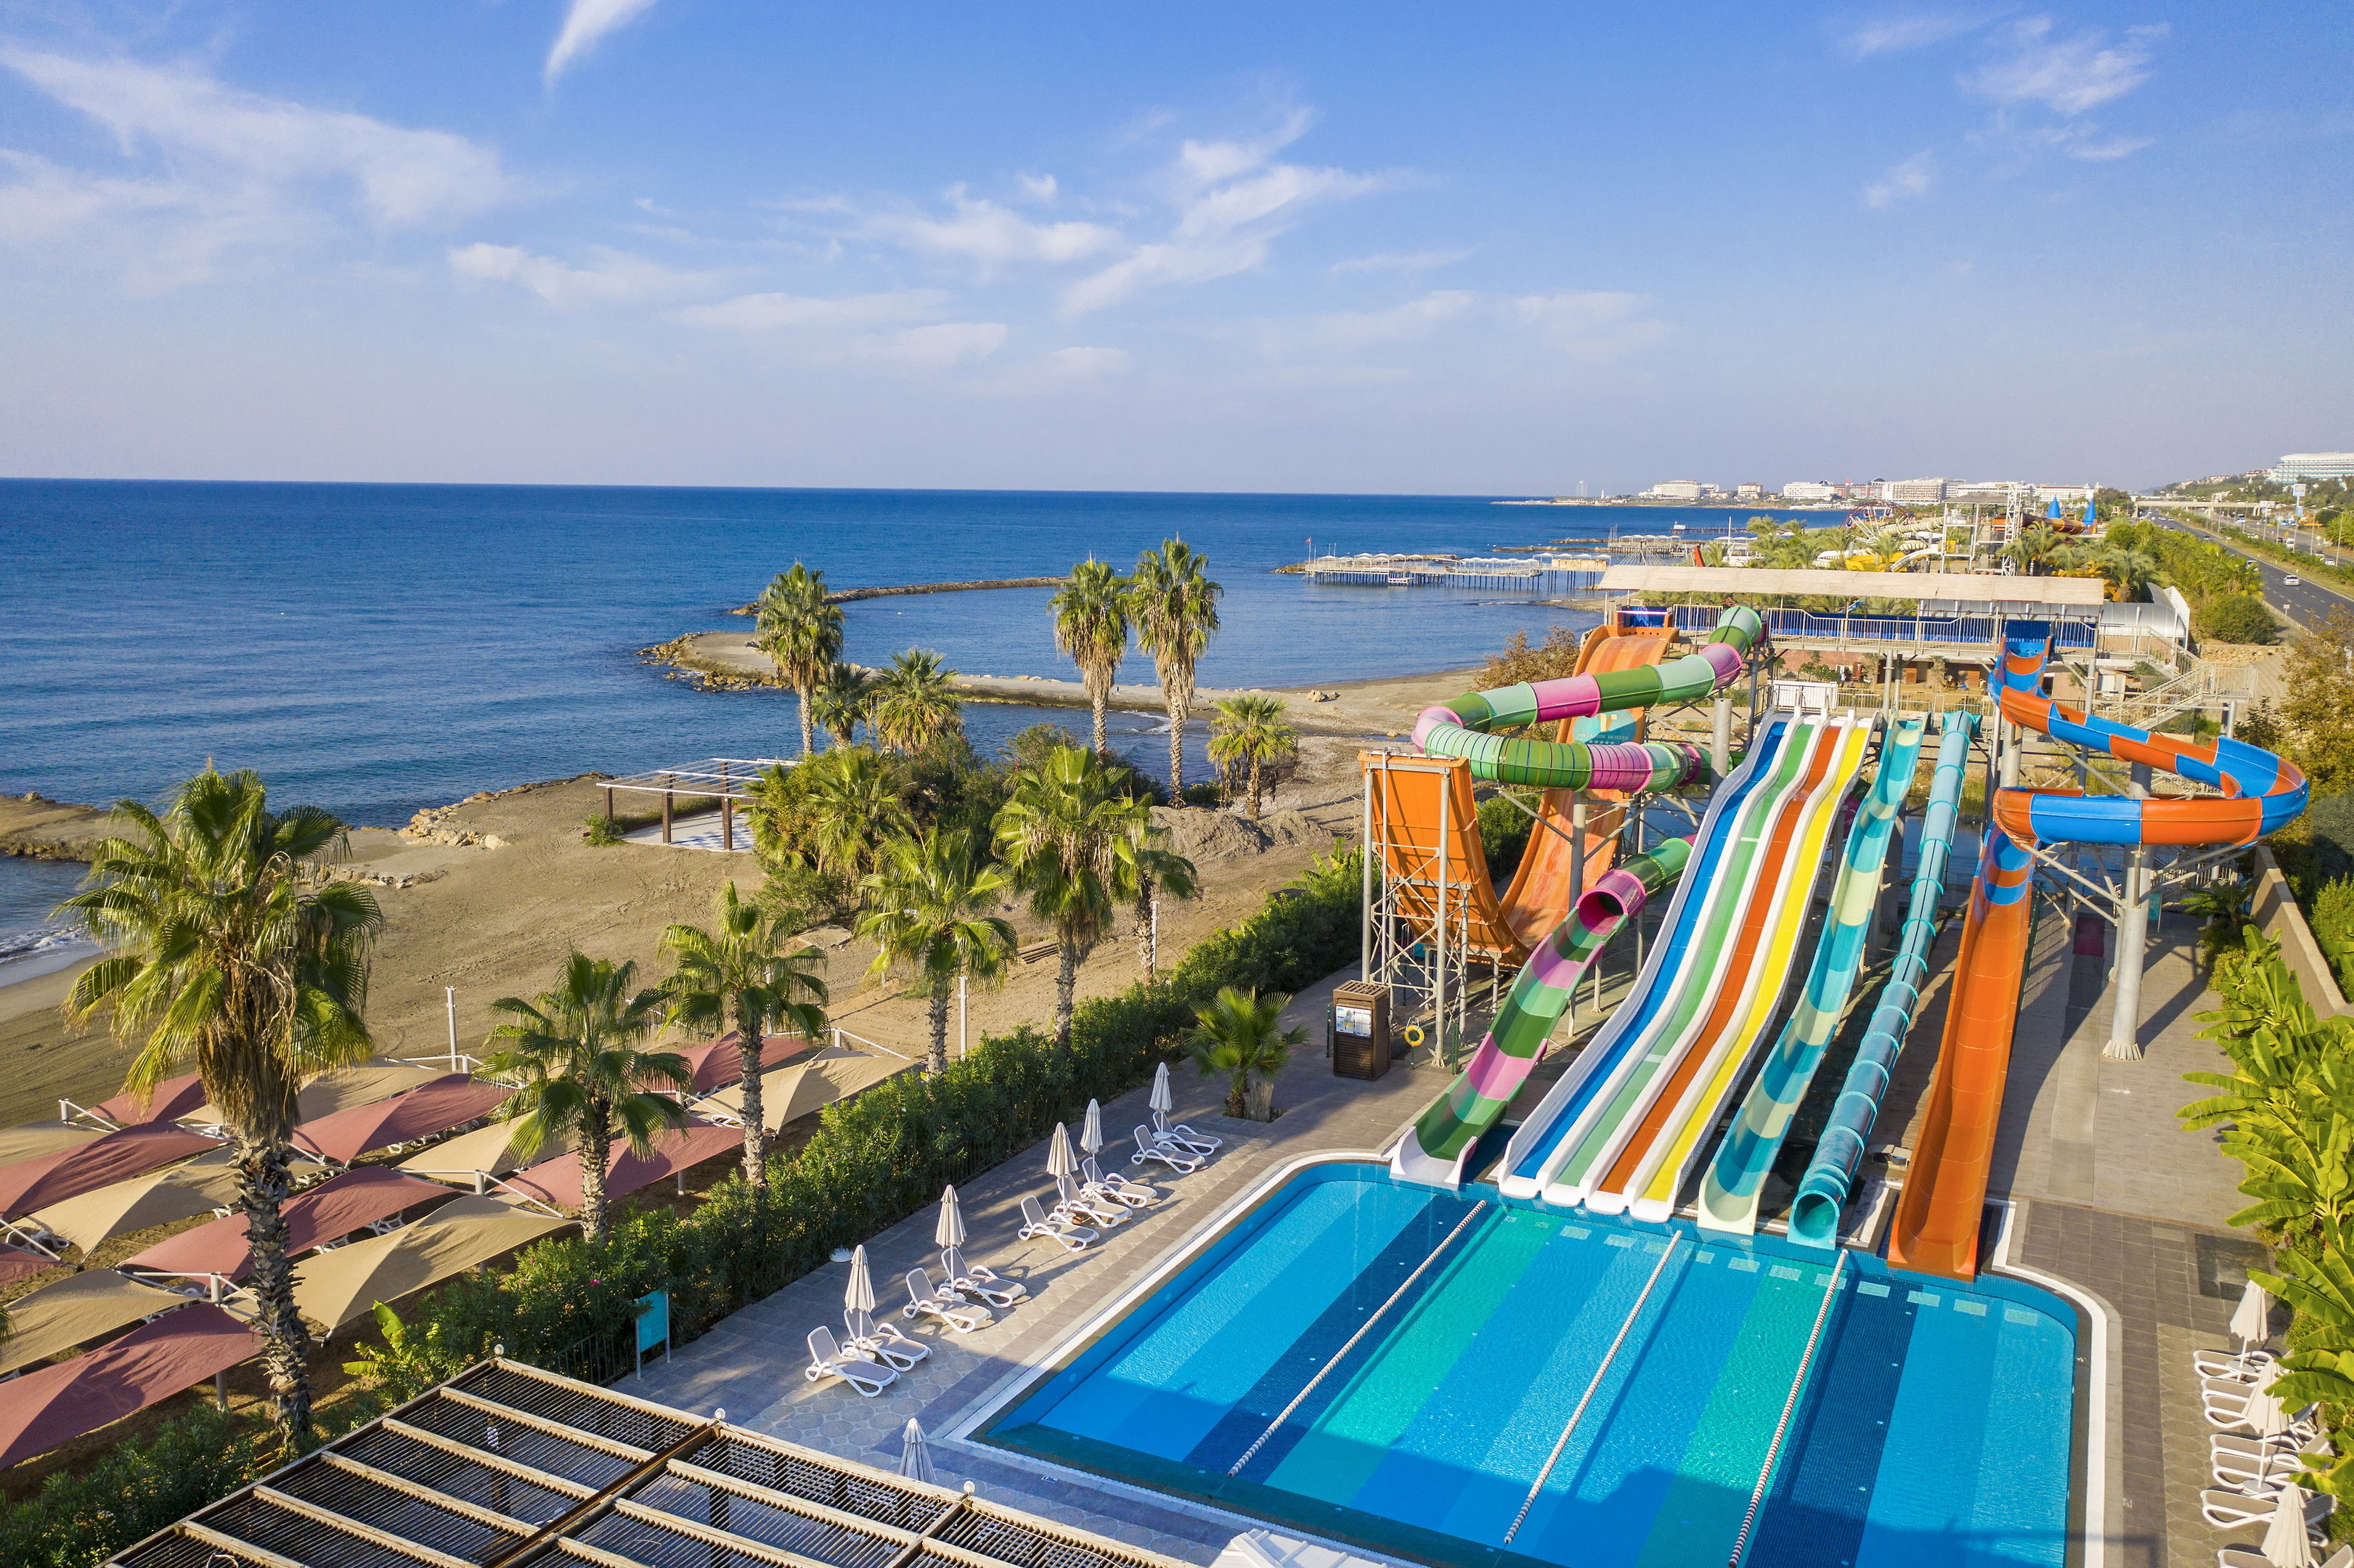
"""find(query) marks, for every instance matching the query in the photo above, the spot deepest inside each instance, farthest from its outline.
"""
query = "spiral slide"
(1736, 1175)
(1937, 1225)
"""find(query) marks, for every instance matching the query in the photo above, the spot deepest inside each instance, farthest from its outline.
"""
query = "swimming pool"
(1400, 1368)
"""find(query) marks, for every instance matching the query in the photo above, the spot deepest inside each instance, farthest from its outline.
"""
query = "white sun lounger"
(1174, 1156)
(1117, 1187)
(1037, 1222)
(1075, 1203)
(2249, 1557)
(2230, 1509)
(976, 1280)
(828, 1360)
(958, 1314)
(882, 1341)
(1200, 1143)
(2226, 1405)
(2252, 1367)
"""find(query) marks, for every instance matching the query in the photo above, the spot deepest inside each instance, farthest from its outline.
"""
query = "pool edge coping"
(2092, 1523)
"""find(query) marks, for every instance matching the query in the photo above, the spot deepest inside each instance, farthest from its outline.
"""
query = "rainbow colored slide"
(1938, 1216)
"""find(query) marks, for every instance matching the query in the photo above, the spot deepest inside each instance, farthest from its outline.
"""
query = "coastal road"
(2307, 602)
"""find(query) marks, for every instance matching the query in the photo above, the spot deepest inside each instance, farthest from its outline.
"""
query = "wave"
(40, 941)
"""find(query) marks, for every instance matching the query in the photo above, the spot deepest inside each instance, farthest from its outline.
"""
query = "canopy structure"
(56, 1318)
(60, 1403)
(17, 1263)
(719, 1064)
(331, 1288)
(341, 1090)
(726, 779)
(35, 1139)
(509, 1465)
(329, 1211)
(176, 1192)
(169, 1101)
(558, 1183)
(471, 1158)
(2043, 594)
(451, 1101)
(802, 1089)
(34, 1184)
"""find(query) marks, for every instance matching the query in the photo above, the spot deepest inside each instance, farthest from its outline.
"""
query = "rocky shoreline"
(33, 827)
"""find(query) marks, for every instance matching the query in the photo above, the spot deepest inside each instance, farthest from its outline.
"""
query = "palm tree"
(221, 961)
(1091, 626)
(1175, 607)
(2035, 547)
(1241, 1035)
(739, 977)
(930, 914)
(1059, 834)
(1144, 871)
(843, 701)
(854, 804)
(802, 633)
(1249, 732)
(2130, 571)
(576, 1053)
(914, 701)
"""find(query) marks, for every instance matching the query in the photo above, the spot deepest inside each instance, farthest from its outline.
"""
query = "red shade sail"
(17, 1263)
(328, 1212)
(171, 1100)
(32, 1184)
(720, 1063)
(558, 1183)
(176, 1351)
(448, 1101)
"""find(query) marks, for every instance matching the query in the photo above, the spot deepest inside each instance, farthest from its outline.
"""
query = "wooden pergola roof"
(1966, 587)
(720, 778)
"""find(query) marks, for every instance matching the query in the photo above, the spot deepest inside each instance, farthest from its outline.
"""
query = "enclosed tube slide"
(1459, 727)
(1937, 1216)
(1436, 1149)
(1736, 1175)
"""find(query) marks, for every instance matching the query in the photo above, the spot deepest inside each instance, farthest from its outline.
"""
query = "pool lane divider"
(1342, 1354)
(1789, 1407)
(1592, 1386)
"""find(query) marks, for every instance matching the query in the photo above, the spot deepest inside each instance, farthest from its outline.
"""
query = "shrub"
(2236, 617)
(1504, 832)
(602, 830)
(83, 1515)
(1211, 794)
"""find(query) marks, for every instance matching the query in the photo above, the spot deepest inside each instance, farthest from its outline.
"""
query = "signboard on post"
(654, 1325)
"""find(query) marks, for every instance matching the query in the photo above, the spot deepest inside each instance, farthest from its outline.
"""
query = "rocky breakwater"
(33, 827)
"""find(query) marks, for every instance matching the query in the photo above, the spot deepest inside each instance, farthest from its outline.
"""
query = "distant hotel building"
(1810, 490)
(1676, 490)
(1988, 492)
(1912, 491)
(2297, 467)
(1749, 490)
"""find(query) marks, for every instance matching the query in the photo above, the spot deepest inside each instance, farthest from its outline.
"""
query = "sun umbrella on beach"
(2267, 1420)
(1091, 1138)
(859, 1295)
(2252, 1318)
(1161, 1100)
(2286, 1545)
(950, 1231)
(1060, 1160)
(916, 1455)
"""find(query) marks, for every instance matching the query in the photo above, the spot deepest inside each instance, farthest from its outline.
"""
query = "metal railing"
(1924, 629)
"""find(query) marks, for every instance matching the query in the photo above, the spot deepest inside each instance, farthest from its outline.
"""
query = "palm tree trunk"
(939, 1062)
(261, 1189)
(1180, 703)
(1103, 739)
(595, 1148)
(1145, 941)
(1067, 982)
(748, 1043)
(809, 723)
(1254, 787)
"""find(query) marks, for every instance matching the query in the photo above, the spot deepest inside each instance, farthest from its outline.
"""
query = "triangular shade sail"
(801, 1088)
(452, 1100)
(485, 1151)
(171, 1100)
(35, 1139)
(33, 1184)
(329, 1211)
(56, 1318)
(60, 1403)
(342, 1089)
(558, 1183)
(333, 1288)
(719, 1064)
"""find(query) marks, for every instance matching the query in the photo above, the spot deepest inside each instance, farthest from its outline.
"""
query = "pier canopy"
(2044, 594)
(724, 781)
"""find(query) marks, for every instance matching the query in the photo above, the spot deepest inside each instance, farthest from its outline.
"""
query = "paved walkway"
(751, 1363)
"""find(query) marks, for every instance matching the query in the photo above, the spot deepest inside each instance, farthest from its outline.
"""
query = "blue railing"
(1941, 629)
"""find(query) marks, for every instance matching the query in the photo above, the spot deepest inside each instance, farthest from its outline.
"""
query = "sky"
(1508, 247)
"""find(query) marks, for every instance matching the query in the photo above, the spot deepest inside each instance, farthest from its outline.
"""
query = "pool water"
(1397, 1367)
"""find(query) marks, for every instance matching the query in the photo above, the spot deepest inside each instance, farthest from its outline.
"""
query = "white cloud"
(772, 312)
(1913, 30)
(1084, 364)
(1590, 324)
(1041, 187)
(1410, 262)
(585, 25)
(980, 230)
(944, 346)
(218, 135)
(616, 277)
(2071, 75)
(1907, 181)
(1399, 323)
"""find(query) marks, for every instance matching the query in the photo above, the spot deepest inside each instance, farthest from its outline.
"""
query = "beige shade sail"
(35, 1139)
(327, 1213)
(341, 1090)
(333, 1288)
(485, 1151)
(31, 1185)
(56, 1318)
(804, 1088)
(427, 1111)
(180, 1192)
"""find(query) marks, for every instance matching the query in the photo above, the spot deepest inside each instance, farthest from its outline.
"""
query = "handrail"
(1789, 1404)
(1593, 1384)
(1363, 1330)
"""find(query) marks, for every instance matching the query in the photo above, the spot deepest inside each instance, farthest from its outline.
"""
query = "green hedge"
(83, 1515)
(876, 1159)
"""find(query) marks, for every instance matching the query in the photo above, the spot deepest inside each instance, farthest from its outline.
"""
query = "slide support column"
(1719, 738)
(2131, 929)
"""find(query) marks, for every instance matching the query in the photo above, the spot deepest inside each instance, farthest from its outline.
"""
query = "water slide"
(1538, 1146)
(1839, 1152)
(1736, 1174)
(1938, 1219)
(1613, 1115)
(1698, 1070)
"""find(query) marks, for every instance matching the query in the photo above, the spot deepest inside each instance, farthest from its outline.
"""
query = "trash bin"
(1358, 1030)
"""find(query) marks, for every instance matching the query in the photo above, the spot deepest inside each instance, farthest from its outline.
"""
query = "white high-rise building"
(1912, 491)
(1675, 490)
(1810, 490)
(2297, 467)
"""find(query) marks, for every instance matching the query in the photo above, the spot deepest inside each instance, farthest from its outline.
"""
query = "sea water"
(376, 649)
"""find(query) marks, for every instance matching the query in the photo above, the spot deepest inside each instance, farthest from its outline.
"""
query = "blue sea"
(376, 649)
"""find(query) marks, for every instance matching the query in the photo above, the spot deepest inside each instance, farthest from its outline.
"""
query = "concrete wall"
(2276, 914)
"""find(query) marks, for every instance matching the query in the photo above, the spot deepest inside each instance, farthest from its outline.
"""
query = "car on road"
(2293, 582)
